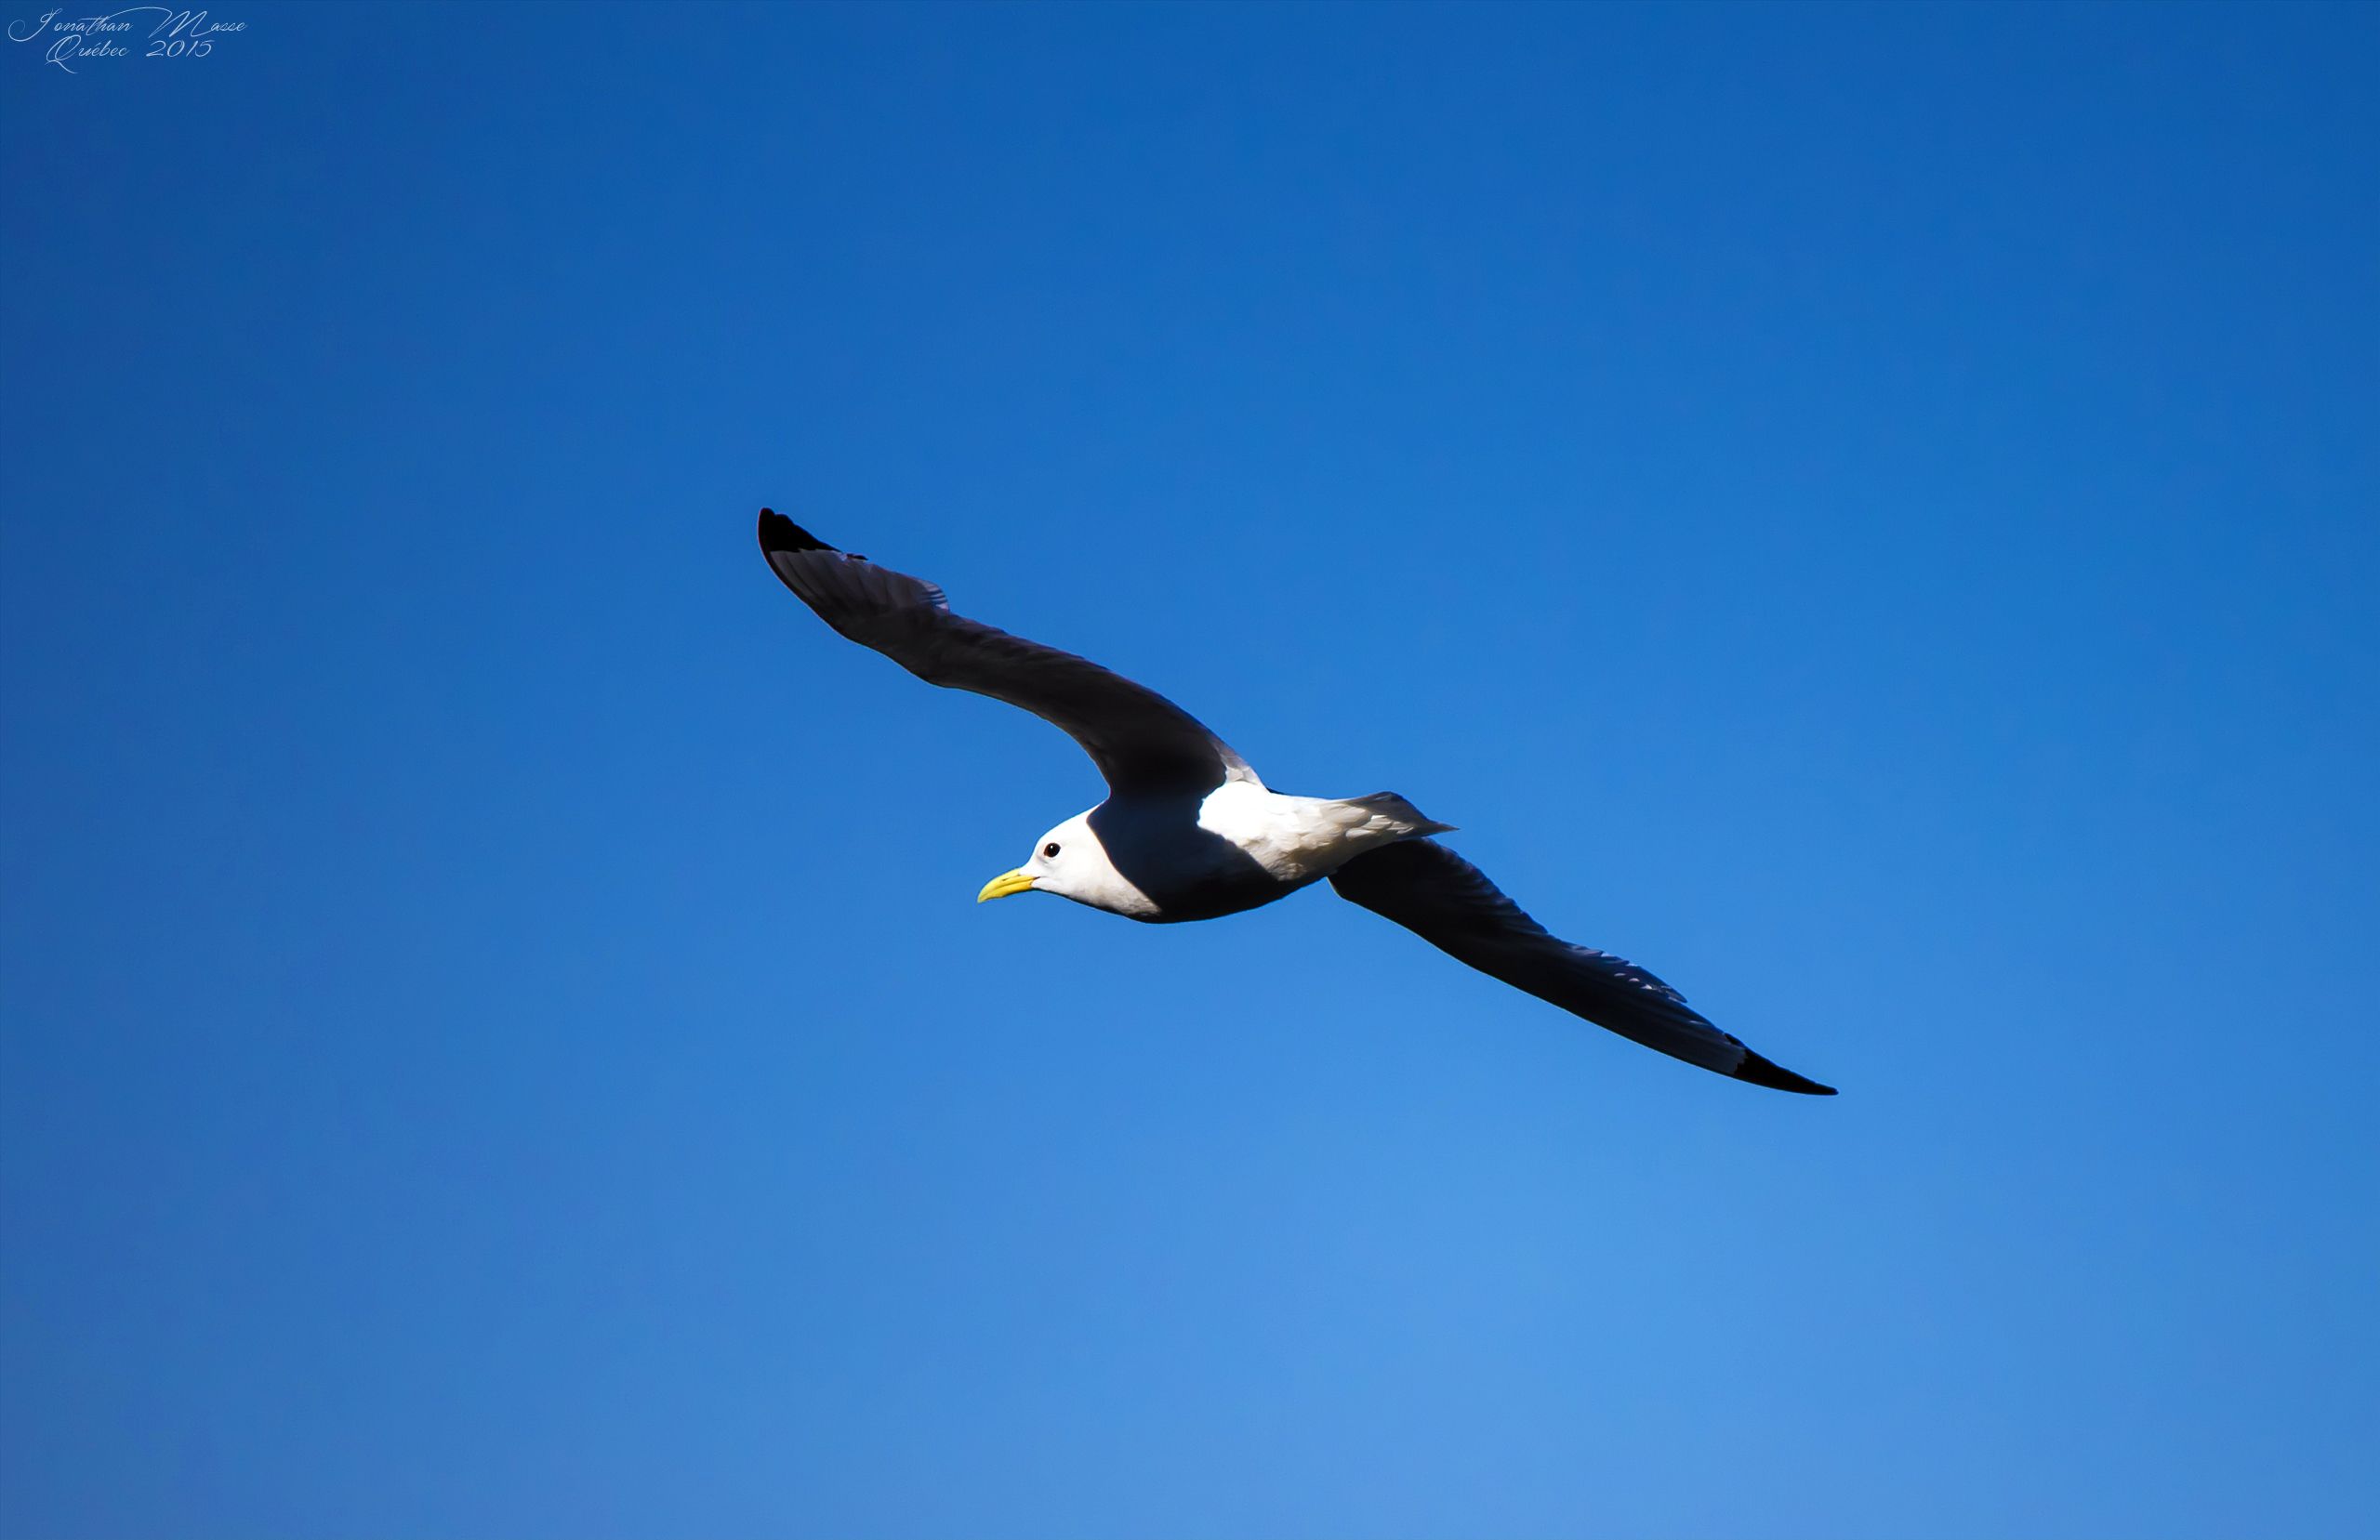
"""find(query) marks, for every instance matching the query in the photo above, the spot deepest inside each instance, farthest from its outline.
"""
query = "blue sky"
(1867, 511)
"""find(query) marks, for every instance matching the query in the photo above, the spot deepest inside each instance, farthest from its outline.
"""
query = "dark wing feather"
(1140, 741)
(1449, 903)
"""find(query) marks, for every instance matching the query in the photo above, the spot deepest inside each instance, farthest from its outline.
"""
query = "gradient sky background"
(1871, 512)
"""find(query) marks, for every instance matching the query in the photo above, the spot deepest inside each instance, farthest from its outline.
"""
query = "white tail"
(1400, 815)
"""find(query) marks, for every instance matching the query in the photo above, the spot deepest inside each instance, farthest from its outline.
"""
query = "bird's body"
(1189, 831)
(1173, 858)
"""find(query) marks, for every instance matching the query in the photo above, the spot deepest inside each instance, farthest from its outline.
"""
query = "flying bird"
(1189, 831)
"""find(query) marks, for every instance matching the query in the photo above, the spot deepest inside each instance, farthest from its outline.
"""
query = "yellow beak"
(1006, 883)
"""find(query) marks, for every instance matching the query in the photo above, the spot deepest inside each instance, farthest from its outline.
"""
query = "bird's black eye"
(1050, 849)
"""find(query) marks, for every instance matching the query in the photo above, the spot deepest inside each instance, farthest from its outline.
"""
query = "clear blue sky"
(1872, 512)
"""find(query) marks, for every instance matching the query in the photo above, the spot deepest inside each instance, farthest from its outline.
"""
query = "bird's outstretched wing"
(1141, 741)
(1449, 903)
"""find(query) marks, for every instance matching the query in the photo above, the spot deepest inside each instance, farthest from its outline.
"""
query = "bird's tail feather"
(1390, 805)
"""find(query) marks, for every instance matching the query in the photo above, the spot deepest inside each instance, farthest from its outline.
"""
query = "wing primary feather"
(780, 533)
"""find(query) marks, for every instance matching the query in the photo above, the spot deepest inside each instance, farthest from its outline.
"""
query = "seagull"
(1189, 831)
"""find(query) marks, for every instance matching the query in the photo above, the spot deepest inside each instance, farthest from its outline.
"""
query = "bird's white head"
(1070, 862)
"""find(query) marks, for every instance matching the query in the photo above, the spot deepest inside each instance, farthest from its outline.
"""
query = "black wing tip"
(780, 533)
(1760, 1072)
